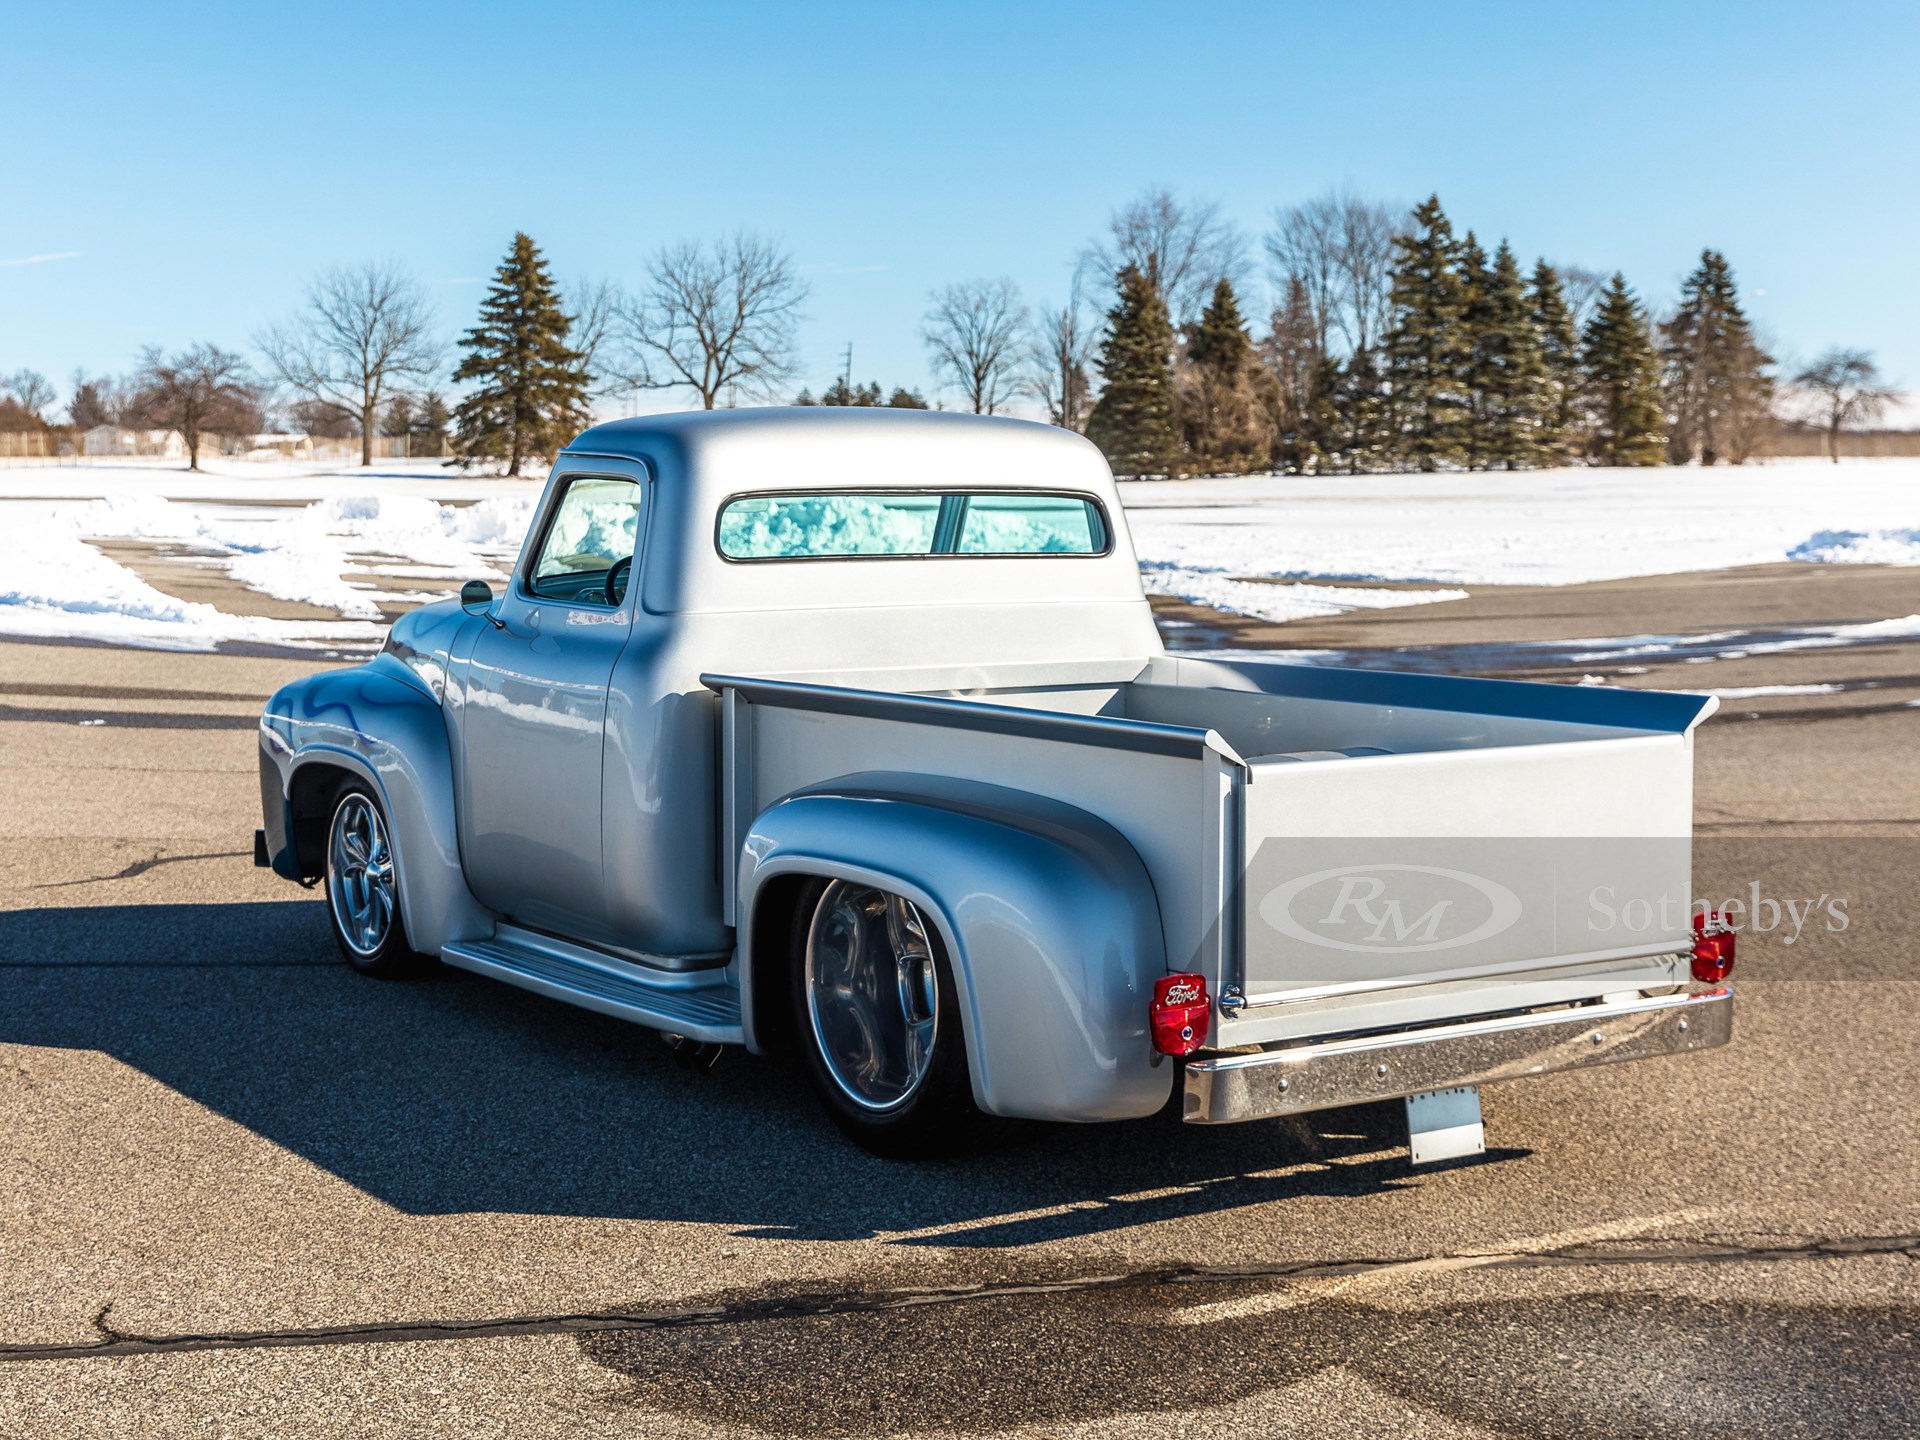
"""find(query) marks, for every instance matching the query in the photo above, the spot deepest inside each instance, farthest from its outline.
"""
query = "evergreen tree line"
(1394, 345)
(1479, 365)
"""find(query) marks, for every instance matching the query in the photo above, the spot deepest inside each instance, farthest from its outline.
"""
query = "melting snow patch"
(53, 585)
(1747, 692)
(306, 554)
(1268, 600)
(1859, 547)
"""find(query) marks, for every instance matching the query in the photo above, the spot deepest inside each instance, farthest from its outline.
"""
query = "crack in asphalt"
(140, 867)
(116, 1342)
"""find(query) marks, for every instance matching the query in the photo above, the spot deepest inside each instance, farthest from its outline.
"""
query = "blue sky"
(192, 165)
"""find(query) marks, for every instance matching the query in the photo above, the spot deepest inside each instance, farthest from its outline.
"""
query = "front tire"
(878, 1021)
(363, 889)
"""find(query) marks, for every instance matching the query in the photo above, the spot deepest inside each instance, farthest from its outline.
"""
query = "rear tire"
(363, 886)
(878, 1022)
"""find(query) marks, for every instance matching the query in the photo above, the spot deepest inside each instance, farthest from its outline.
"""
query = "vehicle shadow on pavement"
(1580, 1365)
(453, 1094)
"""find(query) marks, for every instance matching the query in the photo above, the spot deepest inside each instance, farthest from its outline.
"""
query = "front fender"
(378, 722)
(1046, 912)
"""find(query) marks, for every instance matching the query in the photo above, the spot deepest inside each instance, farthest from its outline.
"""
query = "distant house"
(118, 440)
(280, 444)
(108, 440)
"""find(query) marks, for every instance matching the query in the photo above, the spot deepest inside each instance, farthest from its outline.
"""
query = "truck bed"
(1335, 850)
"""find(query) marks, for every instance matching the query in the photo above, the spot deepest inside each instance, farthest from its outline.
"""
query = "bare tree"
(1368, 231)
(1060, 353)
(1184, 248)
(1845, 389)
(1340, 248)
(30, 390)
(974, 330)
(365, 330)
(1304, 247)
(715, 319)
(202, 391)
(1582, 289)
(595, 306)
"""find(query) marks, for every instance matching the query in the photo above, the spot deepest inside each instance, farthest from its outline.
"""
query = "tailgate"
(1369, 876)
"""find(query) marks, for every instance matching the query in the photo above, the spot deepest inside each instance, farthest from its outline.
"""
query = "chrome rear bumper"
(1324, 1075)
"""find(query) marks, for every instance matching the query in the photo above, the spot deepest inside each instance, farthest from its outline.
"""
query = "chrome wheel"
(873, 994)
(360, 874)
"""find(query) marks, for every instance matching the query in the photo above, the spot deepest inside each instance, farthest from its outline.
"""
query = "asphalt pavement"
(244, 1191)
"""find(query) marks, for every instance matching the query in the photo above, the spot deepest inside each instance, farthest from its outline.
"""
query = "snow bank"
(53, 585)
(306, 554)
(1203, 539)
(1857, 547)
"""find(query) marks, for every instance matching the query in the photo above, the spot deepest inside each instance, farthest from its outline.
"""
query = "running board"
(700, 1004)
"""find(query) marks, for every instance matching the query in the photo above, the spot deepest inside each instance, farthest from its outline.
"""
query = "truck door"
(531, 721)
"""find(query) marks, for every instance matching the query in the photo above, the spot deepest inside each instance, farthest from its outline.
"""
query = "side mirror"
(476, 598)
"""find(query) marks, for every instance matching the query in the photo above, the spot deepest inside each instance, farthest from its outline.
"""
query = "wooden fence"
(1791, 440)
(67, 447)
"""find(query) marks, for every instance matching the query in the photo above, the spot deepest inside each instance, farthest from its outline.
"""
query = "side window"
(587, 553)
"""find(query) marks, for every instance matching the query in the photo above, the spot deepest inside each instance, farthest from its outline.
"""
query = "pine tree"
(532, 392)
(429, 433)
(1510, 379)
(1318, 440)
(1222, 424)
(1718, 390)
(1426, 347)
(1558, 440)
(399, 417)
(1133, 421)
(1292, 358)
(1365, 411)
(1476, 323)
(1622, 374)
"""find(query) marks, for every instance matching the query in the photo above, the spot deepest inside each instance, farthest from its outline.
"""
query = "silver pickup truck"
(851, 732)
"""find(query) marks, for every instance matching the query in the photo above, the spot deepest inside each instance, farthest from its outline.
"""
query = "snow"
(1202, 540)
(55, 585)
(1748, 692)
(1609, 650)
(1855, 547)
(1272, 547)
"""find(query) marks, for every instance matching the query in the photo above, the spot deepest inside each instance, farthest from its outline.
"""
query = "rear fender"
(377, 722)
(1045, 912)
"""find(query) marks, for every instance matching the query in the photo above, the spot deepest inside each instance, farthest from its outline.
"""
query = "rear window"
(909, 524)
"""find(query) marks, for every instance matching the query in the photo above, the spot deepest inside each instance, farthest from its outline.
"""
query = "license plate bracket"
(1445, 1125)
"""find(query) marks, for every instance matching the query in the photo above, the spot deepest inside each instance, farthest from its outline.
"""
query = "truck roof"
(701, 459)
(802, 447)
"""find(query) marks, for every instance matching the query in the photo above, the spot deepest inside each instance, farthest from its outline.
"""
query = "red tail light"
(1178, 1015)
(1712, 948)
